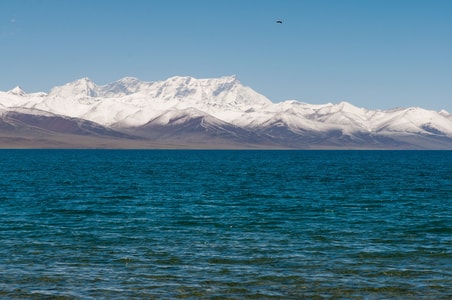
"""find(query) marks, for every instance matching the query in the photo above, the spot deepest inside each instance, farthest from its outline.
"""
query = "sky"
(376, 54)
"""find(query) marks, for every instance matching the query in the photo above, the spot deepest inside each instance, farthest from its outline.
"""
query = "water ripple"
(225, 224)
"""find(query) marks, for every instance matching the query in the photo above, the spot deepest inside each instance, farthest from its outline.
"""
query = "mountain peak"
(127, 80)
(444, 112)
(84, 82)
(121, 87)
(84, 87)
(228, 78)
(18, 91)
(84, 79)
(350, 108)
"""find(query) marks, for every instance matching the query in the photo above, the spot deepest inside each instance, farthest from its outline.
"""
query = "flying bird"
(279, 21)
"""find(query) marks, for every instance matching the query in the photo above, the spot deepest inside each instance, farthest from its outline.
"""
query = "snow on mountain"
(446, 114)
(121, 88)
(345, 114)
(81, 88)
(176, 117)
(291, 114)
(17, 97)
(131, 103)
(412, 120)
(349, 119)
(18, 91)
(224, 98)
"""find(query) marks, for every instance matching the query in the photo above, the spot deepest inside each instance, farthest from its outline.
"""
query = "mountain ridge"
(225, 109)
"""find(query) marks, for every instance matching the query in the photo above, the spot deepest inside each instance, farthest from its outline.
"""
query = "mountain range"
(185, 112)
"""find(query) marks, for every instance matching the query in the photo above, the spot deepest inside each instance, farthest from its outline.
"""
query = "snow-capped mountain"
(225, 112)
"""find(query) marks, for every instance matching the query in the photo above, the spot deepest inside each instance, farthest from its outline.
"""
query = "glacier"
(183, 111)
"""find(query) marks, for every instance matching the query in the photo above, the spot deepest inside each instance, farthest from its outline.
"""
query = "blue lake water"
(105, 224)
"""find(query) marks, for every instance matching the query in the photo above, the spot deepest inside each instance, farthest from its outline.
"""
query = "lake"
(193, 224)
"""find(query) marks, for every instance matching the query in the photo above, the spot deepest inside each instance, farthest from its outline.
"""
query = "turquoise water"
(95, 224)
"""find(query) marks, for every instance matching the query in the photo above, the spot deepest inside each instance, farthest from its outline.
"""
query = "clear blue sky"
(377, 54)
